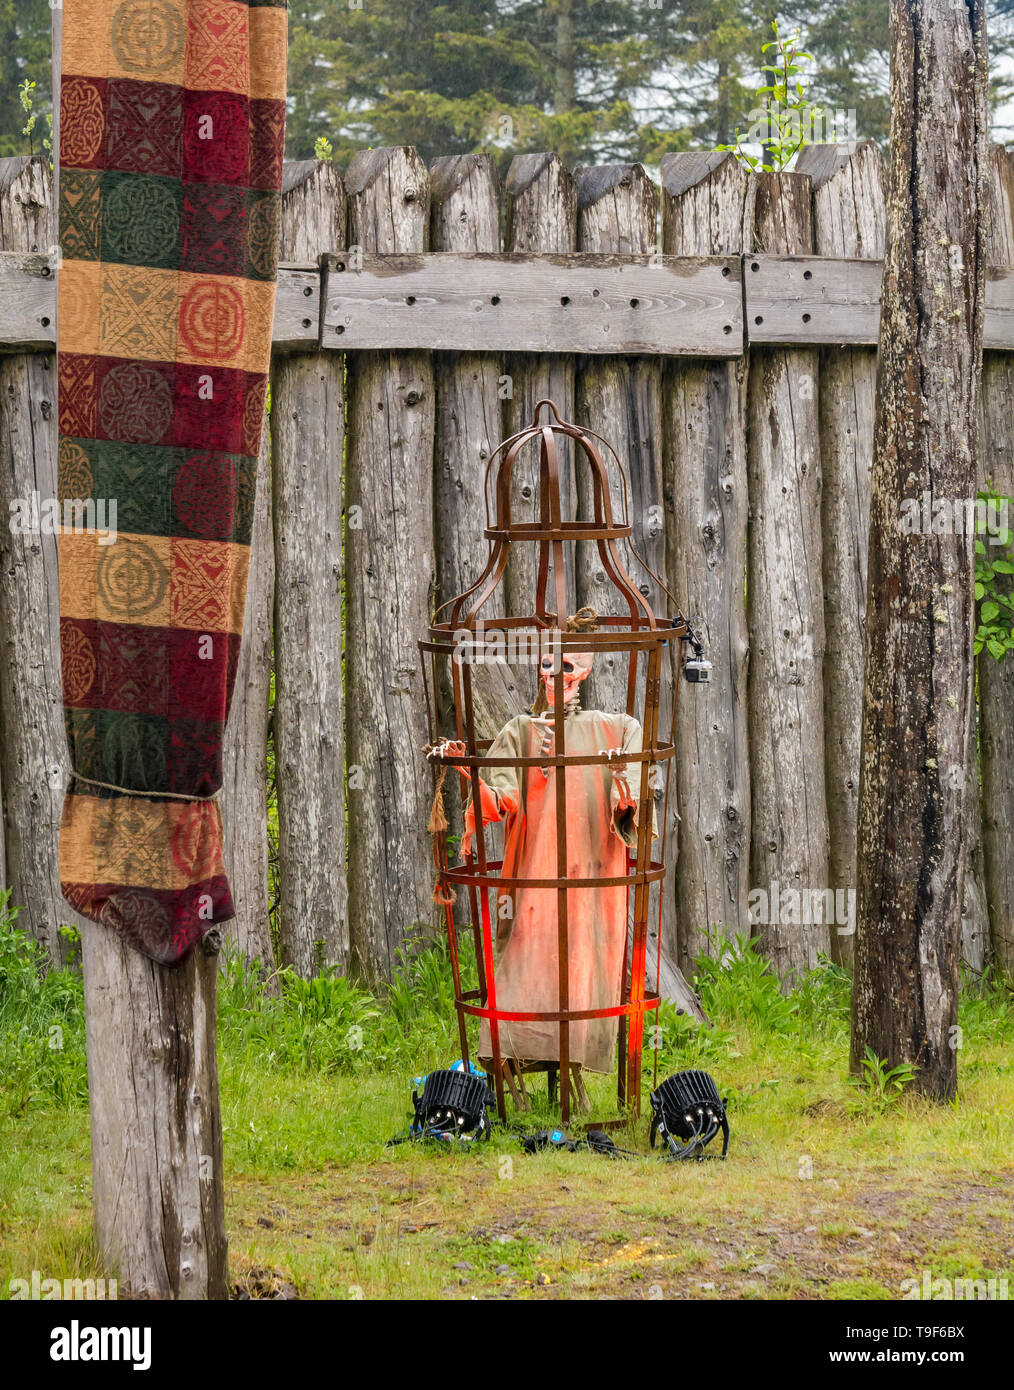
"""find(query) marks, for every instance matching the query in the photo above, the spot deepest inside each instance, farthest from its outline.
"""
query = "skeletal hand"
(619, 773)
(451, 748)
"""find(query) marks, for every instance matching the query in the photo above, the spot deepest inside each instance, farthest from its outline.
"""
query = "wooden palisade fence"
(720, 329)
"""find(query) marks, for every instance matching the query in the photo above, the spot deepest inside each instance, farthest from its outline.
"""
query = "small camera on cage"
(697, 670)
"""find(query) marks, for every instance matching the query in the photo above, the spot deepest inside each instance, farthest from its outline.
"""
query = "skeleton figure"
(602, 810)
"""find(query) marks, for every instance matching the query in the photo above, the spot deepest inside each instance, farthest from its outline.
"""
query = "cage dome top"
(552, 533)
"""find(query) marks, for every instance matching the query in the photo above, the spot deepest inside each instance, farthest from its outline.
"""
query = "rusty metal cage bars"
(638, 632)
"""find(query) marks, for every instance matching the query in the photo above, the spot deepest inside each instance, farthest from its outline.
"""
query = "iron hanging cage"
(461, 639)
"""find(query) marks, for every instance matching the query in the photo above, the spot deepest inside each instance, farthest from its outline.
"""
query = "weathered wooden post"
(785, 608)
(244, 761)
(541, 217)
(32, 739)
(621, 397)
(389, 573)
(848, 221)
(707, 210)
(158, 1190)
(996, 679)
(308, 437)
(918, 696)
(464, 217)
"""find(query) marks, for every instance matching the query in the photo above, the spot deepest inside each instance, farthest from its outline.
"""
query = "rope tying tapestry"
(172, 118)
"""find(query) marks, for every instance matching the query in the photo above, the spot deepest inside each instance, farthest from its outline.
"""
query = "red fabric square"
(199, 664)
(214, 229)
(210, 424)
(194, 756)
(215, 138)
(79, 663)
(76, 394)
(134, 665)
(144, 127)
(267, 143)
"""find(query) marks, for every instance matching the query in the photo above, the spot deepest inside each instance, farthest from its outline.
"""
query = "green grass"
(833, 1189)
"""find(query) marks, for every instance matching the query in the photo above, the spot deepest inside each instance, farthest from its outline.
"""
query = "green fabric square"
(83, 742)
(133, 749)
(81, 214)
(141, 220)
(137, 476)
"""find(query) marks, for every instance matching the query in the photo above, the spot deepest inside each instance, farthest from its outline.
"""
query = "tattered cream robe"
(601, 824)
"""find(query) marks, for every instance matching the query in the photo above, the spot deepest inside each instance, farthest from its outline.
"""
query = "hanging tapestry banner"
(172, 118)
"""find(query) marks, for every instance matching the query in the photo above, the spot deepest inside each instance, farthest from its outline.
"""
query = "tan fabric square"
(268, 47)
(137, 314)
(208, 585)
(78, 285)
(224, 319)
(84, 42)
(126, 582)
(218, 50)
(147, 40)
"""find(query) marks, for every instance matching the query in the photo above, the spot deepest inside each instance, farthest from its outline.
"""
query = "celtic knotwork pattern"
(132, 579)
(137, 315)
(213, 218)
(140, 221)
(81, 215)
(83, 742)
(253, 416)
(217, 46)
(134, 753)
(135, 403)
(195, 755)
(82, 120)
(202, 585)
(246, 497)
(215, 138)
(77, 661)
(79, 895)
(263, 229)
(212, 320)
(147, 35)
(144, 123)
(76, 395)
(267, 143)
(134, 666)
(142, 919)
(74, 470)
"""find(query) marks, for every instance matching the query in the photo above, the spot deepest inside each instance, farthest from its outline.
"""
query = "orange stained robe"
(601, 825)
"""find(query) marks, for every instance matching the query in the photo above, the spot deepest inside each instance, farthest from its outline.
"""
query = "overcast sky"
(1003, 121)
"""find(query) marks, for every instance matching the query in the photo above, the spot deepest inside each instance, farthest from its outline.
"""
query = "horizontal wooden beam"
(998, 329)
(590, 304)
(297, 309)
(664, 306)
(811, 299)
(27, 303)
(820, 301)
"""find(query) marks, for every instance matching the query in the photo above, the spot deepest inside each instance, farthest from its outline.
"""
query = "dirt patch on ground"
(447, 1229)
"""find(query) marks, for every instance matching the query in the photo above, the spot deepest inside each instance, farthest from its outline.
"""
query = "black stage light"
(687, 1107)
(452, 1105)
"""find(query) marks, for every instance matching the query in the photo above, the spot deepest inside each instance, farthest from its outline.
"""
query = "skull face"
(576, 668)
